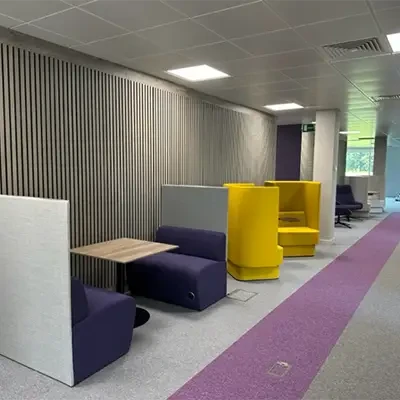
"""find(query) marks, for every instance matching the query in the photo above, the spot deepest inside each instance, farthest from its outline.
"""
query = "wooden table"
(123, 251)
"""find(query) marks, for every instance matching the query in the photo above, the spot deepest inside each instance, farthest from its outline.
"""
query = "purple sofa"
(102, 327)
(192, 276)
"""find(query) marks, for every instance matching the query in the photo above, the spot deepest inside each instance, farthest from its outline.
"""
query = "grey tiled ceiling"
(271, 48)
(134, 15)
(28, 10)
(316, 11)
(179, 35)
(328, 32)
(242, 21)
(272, 42)
(384, 4)
(389, 20)
(194, 8)
(122, 47)
(310, 71)
(79, 25)
(209, 53)
(40, 33)
(8, 22)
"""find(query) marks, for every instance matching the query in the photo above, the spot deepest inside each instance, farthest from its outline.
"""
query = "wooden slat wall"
(107, 144)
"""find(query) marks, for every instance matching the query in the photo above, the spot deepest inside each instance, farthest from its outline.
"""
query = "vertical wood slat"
(108, 143)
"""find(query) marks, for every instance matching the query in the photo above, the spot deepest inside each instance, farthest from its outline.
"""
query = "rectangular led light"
(284, 107)
(394, 41)
(349, 132)
(198, 73)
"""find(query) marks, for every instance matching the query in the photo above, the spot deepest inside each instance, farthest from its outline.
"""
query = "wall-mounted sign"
(308, 128)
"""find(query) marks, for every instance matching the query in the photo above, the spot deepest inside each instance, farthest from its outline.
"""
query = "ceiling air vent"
(388, 97)
(365, 46)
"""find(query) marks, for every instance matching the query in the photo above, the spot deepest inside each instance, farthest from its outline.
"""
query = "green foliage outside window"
(360, 161)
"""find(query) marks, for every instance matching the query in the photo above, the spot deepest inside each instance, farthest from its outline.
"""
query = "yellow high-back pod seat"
(253, 251)
(299, 209)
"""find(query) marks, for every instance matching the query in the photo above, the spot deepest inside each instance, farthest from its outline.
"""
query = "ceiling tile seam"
(193, 19)
(102, 19)
(77, 6)
(377, 24)
(78, 42)
(17, 20)
(212, 12)
(45, 16)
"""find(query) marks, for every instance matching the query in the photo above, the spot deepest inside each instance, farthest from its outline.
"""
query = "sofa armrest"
(105, 335)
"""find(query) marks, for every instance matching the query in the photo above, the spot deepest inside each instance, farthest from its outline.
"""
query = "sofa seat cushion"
(292, 219)
(298, 236)
(188, 281)
(167, 263)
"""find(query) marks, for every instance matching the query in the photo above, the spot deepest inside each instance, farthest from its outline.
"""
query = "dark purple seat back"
(79, 302)
(194, 242)
(344, 194)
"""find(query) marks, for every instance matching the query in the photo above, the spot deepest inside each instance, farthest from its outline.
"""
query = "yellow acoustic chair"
(253, 251)
(299, 207)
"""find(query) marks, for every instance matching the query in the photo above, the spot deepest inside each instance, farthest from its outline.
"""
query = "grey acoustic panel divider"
(197, 207)
(35, 285)
(107, 143)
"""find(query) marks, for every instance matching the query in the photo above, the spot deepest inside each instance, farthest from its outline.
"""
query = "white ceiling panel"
(134, 15)
(272, 42)
(28, 10)
(343, 30)
(9, 22)
(77, 2)
(311, 11)
(121, 47)
(179, 35)
(158, 63)
(321, 70)
(223, 51)
(240, 81)
(389, 20)
(40, 33)
(378, 63)
(384, 4)
(272, 62)
(79, 25)
(278, 86)
(242, 21)
(194, 8)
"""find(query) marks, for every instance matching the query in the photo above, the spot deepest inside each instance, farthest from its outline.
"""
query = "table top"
(123, 250)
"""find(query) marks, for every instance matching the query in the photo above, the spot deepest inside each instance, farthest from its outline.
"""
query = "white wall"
(35, 285)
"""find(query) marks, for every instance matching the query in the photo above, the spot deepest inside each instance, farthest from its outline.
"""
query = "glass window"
(360, 161)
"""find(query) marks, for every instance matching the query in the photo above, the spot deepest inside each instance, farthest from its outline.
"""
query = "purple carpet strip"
(280, 356)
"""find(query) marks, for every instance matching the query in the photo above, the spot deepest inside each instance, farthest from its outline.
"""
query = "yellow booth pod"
(299, 208)
(253, 251)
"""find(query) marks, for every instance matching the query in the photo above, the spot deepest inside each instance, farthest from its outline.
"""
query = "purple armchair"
(102, 327)
(192, 276)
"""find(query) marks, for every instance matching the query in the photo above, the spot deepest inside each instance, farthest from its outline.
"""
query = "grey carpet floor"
(176, 343)
(365, 362)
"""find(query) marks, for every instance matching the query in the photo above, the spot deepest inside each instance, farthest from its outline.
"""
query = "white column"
(326, 146)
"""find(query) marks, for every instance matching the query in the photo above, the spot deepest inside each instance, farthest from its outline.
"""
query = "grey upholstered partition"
(35, 285)
(199, 207)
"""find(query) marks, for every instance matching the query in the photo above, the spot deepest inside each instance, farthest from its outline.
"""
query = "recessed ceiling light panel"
(198, 73)
(394, 41)
(284, 107)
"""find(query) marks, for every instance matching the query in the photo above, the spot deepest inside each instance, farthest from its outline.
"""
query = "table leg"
(120, 278)
(142, 315)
